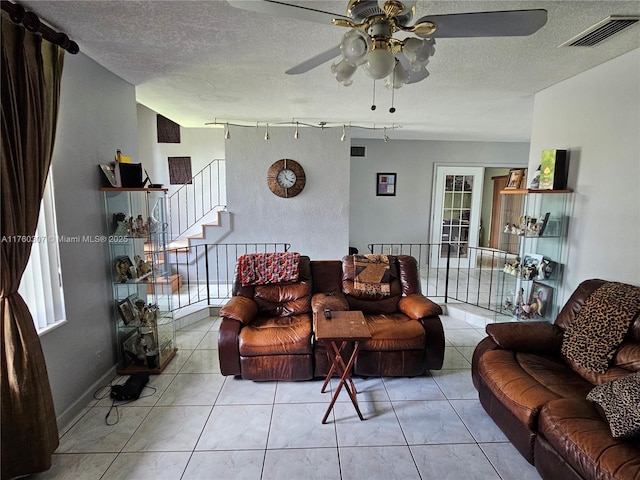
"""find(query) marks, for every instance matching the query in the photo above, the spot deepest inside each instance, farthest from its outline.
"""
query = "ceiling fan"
(370, 43)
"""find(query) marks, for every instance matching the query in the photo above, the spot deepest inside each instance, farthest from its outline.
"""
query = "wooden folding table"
(343, 327)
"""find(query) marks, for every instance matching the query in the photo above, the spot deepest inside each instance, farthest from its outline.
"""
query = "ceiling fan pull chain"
(393, 89)
(373, 105)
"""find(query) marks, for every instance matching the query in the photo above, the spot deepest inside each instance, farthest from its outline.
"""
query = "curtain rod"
(32, 23)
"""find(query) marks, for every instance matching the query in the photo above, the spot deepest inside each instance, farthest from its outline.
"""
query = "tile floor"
(201, 425)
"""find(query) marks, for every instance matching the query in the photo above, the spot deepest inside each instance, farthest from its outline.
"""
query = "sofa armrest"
(242, 309)
(483, 346)
(333, 301)
(228, 347)
(418, 306)
(533, 337)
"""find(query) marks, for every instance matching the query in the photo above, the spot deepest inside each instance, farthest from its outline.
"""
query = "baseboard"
(70, 416)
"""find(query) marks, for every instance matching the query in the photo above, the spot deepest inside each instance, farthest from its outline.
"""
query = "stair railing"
(474, 284)
(211, 277)
(204, 193)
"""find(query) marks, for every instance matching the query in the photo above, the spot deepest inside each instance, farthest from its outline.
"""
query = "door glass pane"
(456, 212)
(448, 185)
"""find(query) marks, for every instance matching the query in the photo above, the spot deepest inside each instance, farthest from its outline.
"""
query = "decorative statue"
(141, 227)
(144, 268)
(124, 273)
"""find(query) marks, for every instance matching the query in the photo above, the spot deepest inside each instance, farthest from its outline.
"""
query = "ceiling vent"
(602, 31)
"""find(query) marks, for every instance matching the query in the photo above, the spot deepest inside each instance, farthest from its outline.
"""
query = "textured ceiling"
(196, 61)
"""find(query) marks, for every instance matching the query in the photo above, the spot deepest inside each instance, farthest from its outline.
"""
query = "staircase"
(197, 214)
(202, 267)
(198, 201)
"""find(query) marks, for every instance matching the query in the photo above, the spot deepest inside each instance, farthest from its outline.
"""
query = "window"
(41, 285)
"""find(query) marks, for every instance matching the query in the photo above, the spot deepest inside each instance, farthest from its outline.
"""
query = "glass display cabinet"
(137, 236)
(533, 242)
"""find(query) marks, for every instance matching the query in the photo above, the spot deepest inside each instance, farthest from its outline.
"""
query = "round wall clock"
(286, 178)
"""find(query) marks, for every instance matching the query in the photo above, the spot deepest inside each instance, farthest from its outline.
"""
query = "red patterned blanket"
(265, 268)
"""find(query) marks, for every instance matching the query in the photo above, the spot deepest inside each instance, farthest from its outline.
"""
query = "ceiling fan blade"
(486, 24)
(315, 61)
(287, 10)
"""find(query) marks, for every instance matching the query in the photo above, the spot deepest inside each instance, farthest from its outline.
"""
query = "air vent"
(602, 31)
(358, 151)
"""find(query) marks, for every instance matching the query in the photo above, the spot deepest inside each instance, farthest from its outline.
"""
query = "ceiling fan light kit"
(370, 43)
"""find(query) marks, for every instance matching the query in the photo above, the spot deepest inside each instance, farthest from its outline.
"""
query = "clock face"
(286, 178)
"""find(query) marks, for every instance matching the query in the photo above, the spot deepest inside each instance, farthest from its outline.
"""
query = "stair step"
(200, 236)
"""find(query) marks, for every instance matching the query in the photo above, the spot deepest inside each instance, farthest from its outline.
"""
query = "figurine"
(518, 304)
(143, 267)
(142, 228)
(124, 273)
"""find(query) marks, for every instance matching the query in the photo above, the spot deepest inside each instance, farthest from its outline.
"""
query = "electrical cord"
(105, 391)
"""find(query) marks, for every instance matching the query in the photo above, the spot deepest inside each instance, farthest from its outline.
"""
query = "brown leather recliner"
(266, 330)
(407, 338)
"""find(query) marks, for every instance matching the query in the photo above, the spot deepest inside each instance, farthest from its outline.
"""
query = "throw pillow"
(601, 325)
(620, 400)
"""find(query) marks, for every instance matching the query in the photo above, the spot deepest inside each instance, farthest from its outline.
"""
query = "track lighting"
(384, 135)
(296, 124)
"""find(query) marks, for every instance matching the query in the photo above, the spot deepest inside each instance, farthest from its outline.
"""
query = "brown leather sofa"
(266, 331)
(537, 396)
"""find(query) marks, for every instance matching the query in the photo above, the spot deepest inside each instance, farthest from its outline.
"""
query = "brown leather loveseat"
(533, 379)
(267, 330)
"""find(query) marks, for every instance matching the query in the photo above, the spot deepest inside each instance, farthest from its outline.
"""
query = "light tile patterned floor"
(201, 425)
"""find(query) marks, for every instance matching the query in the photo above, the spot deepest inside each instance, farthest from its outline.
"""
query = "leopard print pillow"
(594, 336)
(620, 400)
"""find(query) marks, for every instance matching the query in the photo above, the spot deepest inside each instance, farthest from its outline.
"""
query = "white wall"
(97, 116)
(203, 145)
(315, 222)
(596, 116)
(406, 217)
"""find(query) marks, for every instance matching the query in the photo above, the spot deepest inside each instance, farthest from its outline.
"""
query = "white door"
(456, 215)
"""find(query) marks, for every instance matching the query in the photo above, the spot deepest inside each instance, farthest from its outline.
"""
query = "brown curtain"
(31, 71)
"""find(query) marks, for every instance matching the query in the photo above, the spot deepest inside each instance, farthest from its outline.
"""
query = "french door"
(456, 215)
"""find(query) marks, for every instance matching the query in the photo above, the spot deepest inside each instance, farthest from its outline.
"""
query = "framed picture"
(109, 175)
(539, 299)
(127, 312)
(548, 269)
(386, 184)
(530, 266)
(514, 179)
